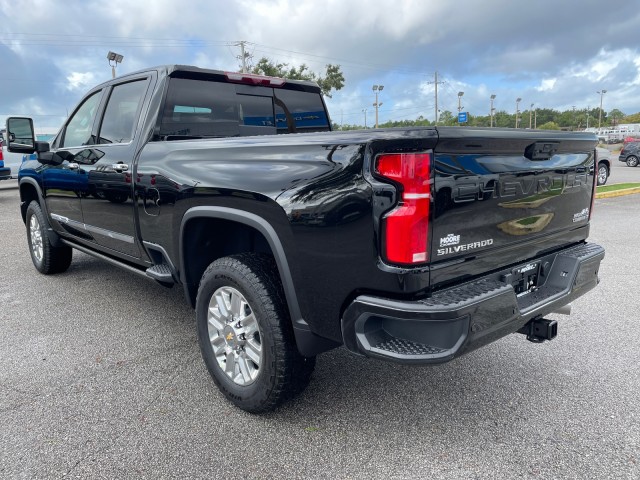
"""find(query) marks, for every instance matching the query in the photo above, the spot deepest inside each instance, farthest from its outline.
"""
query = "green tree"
(615, 115)
(549, 126)
(633, 118)
(332, 79)
(447, 118)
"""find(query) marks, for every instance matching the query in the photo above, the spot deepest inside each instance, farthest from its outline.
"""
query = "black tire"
(45, 257)
(253, 381)
(603, 173)
(632, 161)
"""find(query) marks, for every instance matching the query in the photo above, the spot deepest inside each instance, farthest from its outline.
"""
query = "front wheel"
(45, 257)
(245, 333)
(632, 161)
(603, 173)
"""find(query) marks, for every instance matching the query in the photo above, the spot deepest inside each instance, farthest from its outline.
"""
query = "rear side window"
(201, 108)
(197, 108)
(119, 118)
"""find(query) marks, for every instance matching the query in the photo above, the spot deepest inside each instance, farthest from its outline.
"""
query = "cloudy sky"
(552, 53)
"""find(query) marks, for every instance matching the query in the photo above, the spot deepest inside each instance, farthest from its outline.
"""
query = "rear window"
(200, 108)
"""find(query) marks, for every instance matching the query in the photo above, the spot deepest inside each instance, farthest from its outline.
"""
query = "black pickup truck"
(412, 245)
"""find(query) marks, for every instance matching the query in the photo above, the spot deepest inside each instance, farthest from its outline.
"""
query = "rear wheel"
(632, 161)
(46, 258)
(245, 333)
(603, 173)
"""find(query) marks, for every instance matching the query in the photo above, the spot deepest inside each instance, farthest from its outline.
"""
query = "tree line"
(543, 118)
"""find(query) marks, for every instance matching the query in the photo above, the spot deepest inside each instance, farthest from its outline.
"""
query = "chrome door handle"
(120, 167)
(73, 166)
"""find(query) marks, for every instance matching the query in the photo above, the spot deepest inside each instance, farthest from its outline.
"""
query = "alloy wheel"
(234, 334)
(35, 233)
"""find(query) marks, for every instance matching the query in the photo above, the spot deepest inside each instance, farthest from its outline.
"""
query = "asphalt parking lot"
(101, 377)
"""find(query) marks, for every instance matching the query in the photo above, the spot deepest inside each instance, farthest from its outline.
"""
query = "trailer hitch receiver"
(540, 329)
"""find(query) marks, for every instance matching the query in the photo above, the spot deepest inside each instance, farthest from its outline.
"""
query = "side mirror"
(20, 135)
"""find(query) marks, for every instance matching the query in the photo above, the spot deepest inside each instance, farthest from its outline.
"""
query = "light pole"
(530, 115)
(364, 110)
(376, 90)
(518, 100)
(492, 110)
(460, 94)
(116, 58)
(601, 93)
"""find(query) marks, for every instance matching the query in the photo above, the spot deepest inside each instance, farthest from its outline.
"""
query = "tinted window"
(78, 130)
(306, 109)
(118, 123)
(200, 108)
(256, 111)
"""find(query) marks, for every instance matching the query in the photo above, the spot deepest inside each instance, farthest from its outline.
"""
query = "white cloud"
(511, 49)
(79, 80)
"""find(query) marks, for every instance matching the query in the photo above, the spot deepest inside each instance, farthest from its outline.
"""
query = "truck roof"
(171, 70)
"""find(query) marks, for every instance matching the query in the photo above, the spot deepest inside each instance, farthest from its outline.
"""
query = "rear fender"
(309, 344)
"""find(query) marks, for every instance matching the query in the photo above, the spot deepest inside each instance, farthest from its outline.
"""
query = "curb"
(618, 193)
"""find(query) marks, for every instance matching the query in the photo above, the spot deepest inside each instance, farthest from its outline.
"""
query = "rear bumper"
(462, 318)
(5, 173)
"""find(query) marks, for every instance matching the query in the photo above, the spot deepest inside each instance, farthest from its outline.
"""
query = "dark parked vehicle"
(630, 154)
(411, 245)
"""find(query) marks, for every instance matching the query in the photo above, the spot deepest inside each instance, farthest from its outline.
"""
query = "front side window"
(118, 123)
(78, 131)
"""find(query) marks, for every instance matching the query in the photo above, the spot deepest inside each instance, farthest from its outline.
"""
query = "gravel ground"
(101, 377)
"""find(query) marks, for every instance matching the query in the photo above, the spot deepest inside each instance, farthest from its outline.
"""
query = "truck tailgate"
(502, 197)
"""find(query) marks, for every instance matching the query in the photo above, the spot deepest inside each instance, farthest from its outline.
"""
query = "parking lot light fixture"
(530, 115)
(492, 110)
(601, 93)
(377, 89)
(518, 100)
(116, 58)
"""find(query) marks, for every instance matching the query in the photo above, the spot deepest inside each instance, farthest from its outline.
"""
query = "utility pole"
(364, 110)
(588, 107)
(243, 55)
(518, 100)
(574, 114)
(436, 82)
(535, 119)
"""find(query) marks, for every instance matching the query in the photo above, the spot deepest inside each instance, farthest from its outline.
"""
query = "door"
(108, 208)
(64, 185)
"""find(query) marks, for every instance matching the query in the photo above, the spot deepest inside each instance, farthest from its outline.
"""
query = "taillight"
(250, 79)
(405, 229)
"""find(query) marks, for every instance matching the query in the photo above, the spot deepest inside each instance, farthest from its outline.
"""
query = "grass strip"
(616, 186)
